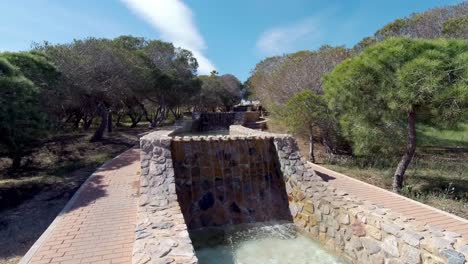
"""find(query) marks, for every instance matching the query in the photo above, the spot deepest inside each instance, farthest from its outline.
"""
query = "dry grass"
(32, 197)
(438, 175)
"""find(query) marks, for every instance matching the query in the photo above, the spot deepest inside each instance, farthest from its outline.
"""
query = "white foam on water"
(277, 244)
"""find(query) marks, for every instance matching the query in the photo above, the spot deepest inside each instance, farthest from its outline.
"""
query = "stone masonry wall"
(223, 180)
(161, 233)
(359, 231)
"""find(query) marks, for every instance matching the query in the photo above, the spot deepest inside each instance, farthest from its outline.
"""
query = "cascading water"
(225, 181)
(258, 244)
(233, 198)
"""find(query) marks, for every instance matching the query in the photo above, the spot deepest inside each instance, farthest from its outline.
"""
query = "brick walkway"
(405, 206)
(97, 225)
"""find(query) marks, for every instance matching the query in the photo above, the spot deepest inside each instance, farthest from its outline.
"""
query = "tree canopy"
(218, 92)
(127, 75)
(382, 93)
(449, 21)
(304, 113)
(275, 79)
(90, 82)
(21, 121)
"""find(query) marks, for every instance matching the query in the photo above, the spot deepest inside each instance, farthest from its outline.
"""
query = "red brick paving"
(98, 223)
(405, 206)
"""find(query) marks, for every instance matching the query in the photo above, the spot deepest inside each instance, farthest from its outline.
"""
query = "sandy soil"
(24, 220)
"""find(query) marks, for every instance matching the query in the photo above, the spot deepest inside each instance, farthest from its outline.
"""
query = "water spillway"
(227, 181)
(191, 185)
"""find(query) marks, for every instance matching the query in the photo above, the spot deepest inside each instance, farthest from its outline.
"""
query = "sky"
(227, 36)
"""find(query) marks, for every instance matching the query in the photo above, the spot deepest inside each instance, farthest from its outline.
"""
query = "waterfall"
(222, 181)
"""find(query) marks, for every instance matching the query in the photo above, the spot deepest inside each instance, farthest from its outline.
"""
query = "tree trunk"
(311, 149)
(145, 113)
(76, 123)
(135, 120)
(177, 112)
(159, 116)
(399, 176)
(103, 112)
(87, 123)
(119, 118)
(16, 162)
(109, 121)
(327, 142)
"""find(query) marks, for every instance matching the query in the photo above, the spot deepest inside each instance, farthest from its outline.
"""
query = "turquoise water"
(260, 244)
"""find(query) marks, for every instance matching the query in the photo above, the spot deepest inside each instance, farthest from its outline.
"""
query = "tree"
(304, 113)
(364, 43)
(277, 79)
(231, 94)
(21, 122)
(456, 27)
(385, 91)
(449, 21)
(97, 76)
(170, 82)
(37, 68)
(218, 92)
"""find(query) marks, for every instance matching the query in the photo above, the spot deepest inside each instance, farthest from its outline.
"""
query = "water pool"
(258, 244)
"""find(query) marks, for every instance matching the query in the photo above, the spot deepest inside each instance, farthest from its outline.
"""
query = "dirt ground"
(33, 197)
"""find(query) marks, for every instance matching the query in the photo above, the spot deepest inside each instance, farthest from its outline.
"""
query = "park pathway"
(422, 213)
(97, 225)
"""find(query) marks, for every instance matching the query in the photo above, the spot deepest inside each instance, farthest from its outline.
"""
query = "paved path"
(405, 206)
(97, 225)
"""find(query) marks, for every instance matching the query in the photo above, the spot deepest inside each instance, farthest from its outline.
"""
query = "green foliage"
(305, 111)
(375, 91)
(218, 92)
(35, 66)
(74, 84)
(456, 27)
(125, 75)
(391, 29)
(21, 122)
(364, 43)
(456, 137)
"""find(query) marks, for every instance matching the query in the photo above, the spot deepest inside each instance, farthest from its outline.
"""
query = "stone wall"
(229, 180)
(359, 231)
(161, 233)
(365, 233)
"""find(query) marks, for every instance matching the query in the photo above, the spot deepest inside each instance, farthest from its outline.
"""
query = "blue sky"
(230, 36)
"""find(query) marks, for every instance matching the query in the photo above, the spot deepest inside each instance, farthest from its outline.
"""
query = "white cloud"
(174, 20)
(278, 40)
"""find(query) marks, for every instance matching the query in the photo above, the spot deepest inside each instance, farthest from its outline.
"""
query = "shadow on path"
(21, 226)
